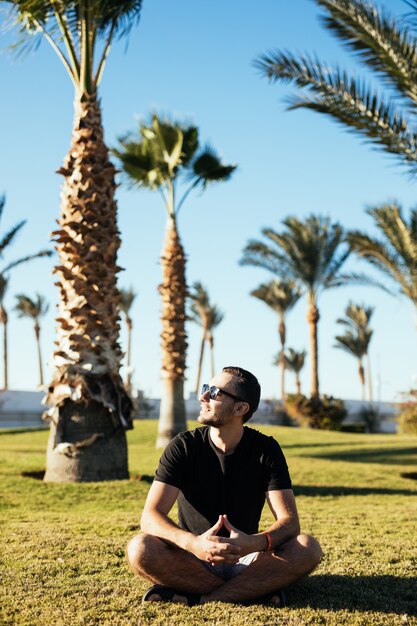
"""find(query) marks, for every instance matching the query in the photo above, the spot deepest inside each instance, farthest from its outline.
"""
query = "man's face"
(220, 411)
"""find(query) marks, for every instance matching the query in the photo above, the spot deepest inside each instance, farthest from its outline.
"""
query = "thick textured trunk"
(312, 319)
(282, 333)
(38, 345)
(368, 374)
(89, 405)
(172, 418)
(298, 383)
(200, 363)
(361, 373)
(85, 447)
(3, 321)
(173, 290)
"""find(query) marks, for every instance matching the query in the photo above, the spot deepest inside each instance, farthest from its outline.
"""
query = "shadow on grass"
(335, 490)
(38, 475)
(335, 444)
(393, 456)
(35, 475)
(385, 594)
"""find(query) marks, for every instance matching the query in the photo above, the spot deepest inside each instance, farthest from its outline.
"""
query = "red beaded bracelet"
(269, 541)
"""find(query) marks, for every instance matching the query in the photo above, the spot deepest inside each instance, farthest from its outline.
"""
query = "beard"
(208, 419)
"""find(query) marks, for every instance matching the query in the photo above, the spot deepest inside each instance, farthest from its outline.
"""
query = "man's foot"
(159, 593)
(277, 599)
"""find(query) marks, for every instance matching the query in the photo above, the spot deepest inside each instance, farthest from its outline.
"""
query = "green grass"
(63, 563)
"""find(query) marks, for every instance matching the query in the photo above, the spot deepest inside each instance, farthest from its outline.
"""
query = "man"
(221, 475)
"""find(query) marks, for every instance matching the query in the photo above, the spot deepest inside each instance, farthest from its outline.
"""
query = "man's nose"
(205, 396)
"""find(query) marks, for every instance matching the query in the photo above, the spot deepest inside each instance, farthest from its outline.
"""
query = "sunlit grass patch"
(63, 546)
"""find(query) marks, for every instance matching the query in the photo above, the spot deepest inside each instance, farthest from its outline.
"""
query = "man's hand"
(247, 543)
(209, 547)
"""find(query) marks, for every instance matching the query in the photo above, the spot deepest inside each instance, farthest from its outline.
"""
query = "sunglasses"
(214, 391)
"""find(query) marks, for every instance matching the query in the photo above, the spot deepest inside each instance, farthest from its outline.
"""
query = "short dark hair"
(247, 387)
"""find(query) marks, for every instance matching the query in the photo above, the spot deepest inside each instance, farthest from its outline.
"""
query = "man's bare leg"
(270, 571)
(168, 565)
(159, 562)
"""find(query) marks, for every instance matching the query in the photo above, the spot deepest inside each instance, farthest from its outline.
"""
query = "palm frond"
(25, 259)
(351, 344)
(214, 317)
(2, 204)
(386, 47)
(293, 360)
(389, 219)
(10, 235)
(349, 101)
(358, 279)
(4, 282)
(203, 312)
(127, 297)
(26, 307)
(199, 301)
(395, 252)
(281, 296)
(121, 15)
(207, 167)
(259, 254)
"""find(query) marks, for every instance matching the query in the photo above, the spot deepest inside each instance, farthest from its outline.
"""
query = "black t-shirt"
(212, 483)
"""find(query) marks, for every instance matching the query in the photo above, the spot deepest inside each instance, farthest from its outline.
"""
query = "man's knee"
(142, 550)
(311, 550)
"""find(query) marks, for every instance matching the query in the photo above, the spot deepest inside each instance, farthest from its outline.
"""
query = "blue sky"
(195, 62)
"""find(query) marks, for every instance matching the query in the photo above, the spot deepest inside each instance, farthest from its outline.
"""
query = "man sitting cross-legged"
(221, 474)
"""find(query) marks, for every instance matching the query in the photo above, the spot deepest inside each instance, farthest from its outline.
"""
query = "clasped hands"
(214, 549)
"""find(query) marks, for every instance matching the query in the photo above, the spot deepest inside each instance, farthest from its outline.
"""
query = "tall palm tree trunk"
(313, 317)
(173, 292)
(298, 383)
(368, 374)
(90, 409)
(3, 320)
(211, 344)
(282, 334)
(361, 372)
(200, 362)
(38, 345)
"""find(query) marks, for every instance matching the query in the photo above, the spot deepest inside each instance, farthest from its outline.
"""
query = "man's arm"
(155, 521)
(284, 509)
(286, 525)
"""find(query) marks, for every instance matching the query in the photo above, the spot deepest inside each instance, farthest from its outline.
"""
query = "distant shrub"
(371, 417)
(353, 428)
(407, 418)
(323, 413)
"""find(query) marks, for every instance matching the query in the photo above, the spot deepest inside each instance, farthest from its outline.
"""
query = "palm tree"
(127, 297)
(353, 345)
(311, 253)
(208, 316)
(89, 407)
(3, 321)
(157, 157)
(6, 241)
(357, 339)
(214, 316)
(280, 296)
(388, 48)
(394, 253)
(294, 362)
(34, 309)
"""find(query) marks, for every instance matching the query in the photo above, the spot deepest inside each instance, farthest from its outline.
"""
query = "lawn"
(63, 563)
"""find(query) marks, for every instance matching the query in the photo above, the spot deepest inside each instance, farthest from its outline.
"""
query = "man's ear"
(242, 409)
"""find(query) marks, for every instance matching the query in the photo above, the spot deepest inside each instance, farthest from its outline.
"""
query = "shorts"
(226, 571)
